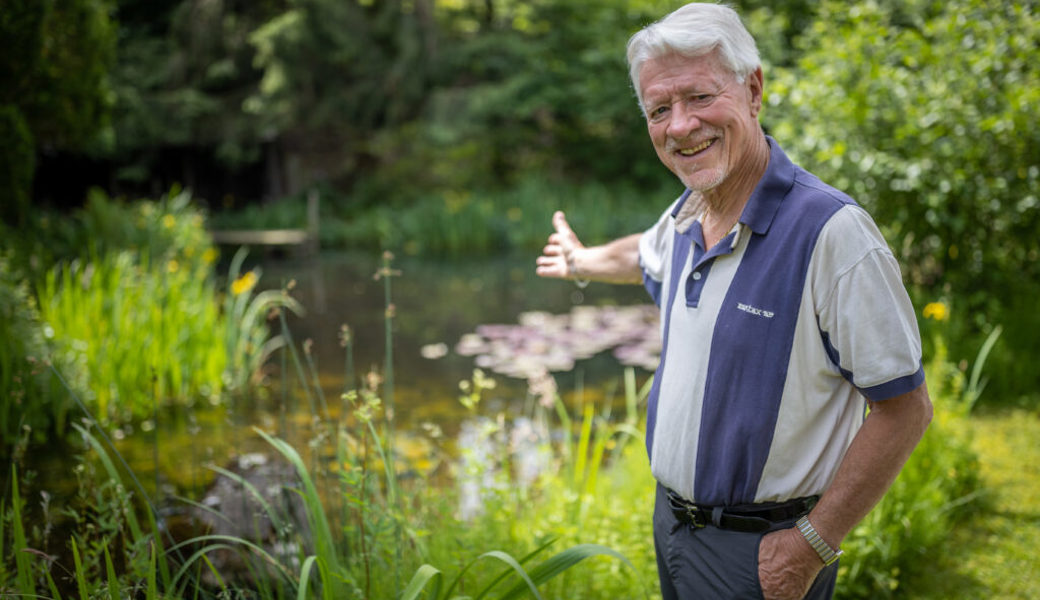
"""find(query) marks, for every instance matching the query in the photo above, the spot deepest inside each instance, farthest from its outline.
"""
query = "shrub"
(923, 111)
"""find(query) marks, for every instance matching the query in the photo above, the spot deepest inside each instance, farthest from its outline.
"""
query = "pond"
(437, 304)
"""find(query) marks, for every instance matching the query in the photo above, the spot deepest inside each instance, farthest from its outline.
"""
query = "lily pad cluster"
(542, 341)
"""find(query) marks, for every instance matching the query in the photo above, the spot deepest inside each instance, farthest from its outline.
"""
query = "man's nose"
(683, 121)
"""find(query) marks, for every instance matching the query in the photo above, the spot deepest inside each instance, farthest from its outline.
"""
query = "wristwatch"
(827, 554)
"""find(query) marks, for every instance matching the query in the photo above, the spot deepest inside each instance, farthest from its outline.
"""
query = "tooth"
(695, 149)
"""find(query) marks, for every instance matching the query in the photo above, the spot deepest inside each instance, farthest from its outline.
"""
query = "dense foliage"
(54, 92)
(30, 400)
(922, 111)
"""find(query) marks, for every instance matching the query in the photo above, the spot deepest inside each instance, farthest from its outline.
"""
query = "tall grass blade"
(51, 585)
(227, 542)
(152, 591)
(504, 574)
(423, 575)
(324, 543)
(216, 576)
(305, 574)
(559, 563)
(110, 572)
(110, 468)
(631, 397)
(81, 580)
(297, 365)
(519, 570)
(975, 382)
(603, 435)
(23, 576)
(582, 453)
(565, 426)
(388, 466)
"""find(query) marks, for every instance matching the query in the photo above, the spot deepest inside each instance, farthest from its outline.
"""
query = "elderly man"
(784, 320)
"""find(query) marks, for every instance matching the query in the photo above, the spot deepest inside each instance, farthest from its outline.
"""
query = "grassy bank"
(993, 554)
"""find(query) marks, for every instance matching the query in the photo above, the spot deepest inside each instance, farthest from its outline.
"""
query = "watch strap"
(827, 554)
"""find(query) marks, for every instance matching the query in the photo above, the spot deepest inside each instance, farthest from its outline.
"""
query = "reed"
(117, 323)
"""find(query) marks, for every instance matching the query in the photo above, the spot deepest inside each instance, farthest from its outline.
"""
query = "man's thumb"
(560, 223)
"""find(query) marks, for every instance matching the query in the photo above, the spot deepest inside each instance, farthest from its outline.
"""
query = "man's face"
(701, 120)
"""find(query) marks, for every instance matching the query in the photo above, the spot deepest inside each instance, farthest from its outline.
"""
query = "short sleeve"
(865, 316)
(654, 247)
(655, 250)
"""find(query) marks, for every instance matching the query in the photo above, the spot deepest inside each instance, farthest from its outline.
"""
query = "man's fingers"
(557, 240)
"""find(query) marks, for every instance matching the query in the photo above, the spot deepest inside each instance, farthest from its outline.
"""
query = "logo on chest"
(758, 312)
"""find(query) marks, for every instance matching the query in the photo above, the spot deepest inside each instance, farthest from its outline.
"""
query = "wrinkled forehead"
(672, 68)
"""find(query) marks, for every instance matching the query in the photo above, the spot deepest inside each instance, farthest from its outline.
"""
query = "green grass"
(993, 555)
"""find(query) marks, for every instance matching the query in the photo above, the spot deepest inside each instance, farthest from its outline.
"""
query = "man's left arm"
(893, 427)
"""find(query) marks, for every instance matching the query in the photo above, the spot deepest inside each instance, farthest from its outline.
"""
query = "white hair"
(695, 30)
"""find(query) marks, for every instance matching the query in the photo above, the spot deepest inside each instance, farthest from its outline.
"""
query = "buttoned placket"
(702, 261)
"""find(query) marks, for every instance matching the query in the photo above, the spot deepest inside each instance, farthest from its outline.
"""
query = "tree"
(53, 86)
(923, 111)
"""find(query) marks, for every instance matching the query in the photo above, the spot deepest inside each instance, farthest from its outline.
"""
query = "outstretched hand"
(557, 259)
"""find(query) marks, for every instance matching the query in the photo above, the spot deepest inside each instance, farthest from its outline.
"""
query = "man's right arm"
(565, 257)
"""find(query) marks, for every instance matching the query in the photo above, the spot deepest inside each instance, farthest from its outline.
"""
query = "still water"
(436, 305)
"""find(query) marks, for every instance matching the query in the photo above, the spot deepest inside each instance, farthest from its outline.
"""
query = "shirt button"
(696, 275)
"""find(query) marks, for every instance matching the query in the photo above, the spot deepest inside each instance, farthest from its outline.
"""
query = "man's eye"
(657, 112)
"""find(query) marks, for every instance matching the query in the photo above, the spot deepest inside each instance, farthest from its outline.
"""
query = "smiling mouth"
(696, 149)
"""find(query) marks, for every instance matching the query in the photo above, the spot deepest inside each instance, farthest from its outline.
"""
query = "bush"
(923, 111)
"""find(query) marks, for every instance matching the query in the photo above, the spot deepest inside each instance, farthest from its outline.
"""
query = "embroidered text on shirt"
(758, 312)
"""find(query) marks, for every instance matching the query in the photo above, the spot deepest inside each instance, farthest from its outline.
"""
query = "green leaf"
(559, 563)
(423, 575)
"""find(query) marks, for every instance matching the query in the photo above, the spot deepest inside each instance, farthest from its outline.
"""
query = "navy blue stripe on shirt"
(751, 349)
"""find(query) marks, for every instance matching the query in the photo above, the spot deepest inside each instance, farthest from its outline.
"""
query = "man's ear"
(754, 87)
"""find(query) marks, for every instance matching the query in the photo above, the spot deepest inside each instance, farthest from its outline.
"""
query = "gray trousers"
(714, 564)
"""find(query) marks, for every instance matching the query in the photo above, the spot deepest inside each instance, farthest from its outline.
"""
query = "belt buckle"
(697, 519)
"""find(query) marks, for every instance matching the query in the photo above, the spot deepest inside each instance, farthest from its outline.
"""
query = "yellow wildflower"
(173, 266)
(244, 283)
(169, 221)
(936, 310)
(209, 256)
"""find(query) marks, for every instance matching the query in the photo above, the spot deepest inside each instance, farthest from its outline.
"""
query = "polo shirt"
(773, 340)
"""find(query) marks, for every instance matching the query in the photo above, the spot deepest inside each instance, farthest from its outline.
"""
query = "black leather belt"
(749, 518)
